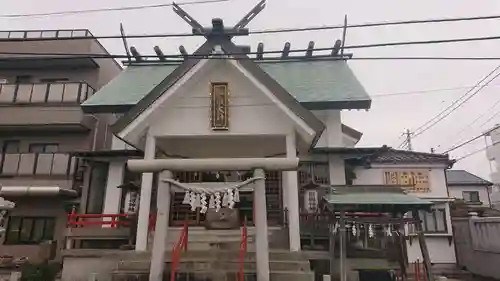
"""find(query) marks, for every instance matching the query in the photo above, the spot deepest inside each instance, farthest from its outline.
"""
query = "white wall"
(332, 136)
(187, 112)
(456, 192)
(437, 179)
(113, 194)
(441, 251)
(337, 170)
(348, 141)
(118, 144)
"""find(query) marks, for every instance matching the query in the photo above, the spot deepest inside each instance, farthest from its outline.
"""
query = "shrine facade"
(220, 140)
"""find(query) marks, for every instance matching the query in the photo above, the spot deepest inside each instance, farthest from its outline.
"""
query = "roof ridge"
(418, 152)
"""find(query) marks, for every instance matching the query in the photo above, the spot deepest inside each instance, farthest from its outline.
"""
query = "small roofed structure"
(375, 205)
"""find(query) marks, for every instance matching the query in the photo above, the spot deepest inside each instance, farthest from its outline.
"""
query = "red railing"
(152, 222)
(420, 272)
(80, 220)
(176, 253)
(243, 249)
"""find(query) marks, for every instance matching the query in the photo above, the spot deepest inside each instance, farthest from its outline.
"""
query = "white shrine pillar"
(261, 232)
(292, 192)
(141, 242)
(113, 194)
(161, 229)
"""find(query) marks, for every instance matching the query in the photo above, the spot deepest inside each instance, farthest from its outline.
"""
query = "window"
(434, 221)
(23, 79)
(312, 200)
(471, 196)
(43, 147)
(11, 146)
(53, 80)
(29, 230)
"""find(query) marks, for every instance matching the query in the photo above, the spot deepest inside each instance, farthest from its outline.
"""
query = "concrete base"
(114, 265)
(201, 239)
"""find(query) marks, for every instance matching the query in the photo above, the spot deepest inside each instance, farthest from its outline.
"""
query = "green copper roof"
(130, 86)
(315, 84)
(375, 200)
(318, 83)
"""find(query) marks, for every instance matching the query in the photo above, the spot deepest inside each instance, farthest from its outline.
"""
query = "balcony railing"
(62, 33)
(37, 164)
(72, 92)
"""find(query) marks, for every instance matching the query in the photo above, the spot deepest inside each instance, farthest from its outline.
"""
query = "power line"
(266, 60)
(388, 44)
(137, 36)
(423, 92)
(376, 24)
(128, 8)
(476, 151)
(477, 119)
(471, 140)
(456, 101)
(489, 119)
(264, 31)
(459, 102)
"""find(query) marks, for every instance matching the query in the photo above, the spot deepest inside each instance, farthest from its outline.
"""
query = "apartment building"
(41, 125)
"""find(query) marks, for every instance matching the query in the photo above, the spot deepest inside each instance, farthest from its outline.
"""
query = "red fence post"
(182, 243)
(71, 216)
(243, 248)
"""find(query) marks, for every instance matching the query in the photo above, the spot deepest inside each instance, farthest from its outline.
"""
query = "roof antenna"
(125, 44)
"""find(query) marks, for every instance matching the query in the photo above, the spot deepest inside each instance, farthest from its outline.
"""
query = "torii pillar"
(259, 165)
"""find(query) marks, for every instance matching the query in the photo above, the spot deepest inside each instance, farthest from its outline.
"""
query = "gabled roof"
(164, 84)
(462, 177)
(396, 156)
(374, 198)
(387, 155)
(229, 47)
(316, 84)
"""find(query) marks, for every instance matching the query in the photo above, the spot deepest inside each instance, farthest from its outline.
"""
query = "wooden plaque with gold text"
(219, 106)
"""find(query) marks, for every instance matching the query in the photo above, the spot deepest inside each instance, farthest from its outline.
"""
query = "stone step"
(204, 235)
(194, 265)
(274, 255)
(227, 275)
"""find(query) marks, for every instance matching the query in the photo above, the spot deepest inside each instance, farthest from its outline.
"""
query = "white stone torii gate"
(166, 166)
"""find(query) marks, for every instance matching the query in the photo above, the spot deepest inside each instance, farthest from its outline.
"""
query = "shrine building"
(226, 147)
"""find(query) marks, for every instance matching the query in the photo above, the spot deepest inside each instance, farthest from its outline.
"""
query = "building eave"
(277, 90)
(164, 85)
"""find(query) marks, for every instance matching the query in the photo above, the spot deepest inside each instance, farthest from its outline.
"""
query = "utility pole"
(408, 135)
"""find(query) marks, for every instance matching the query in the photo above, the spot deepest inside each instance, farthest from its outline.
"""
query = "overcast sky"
(390, 115)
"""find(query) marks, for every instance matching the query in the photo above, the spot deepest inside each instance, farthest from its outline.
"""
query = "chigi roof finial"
(217, 28)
